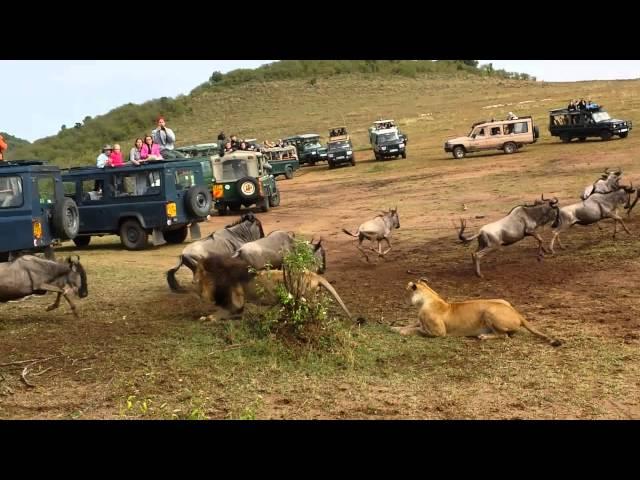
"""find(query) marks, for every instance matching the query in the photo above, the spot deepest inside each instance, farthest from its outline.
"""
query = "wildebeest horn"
(542, 196)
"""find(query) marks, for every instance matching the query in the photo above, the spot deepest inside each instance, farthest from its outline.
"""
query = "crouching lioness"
(229, 284)
(484, 319)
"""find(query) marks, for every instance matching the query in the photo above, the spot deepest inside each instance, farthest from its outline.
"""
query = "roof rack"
(20, 163)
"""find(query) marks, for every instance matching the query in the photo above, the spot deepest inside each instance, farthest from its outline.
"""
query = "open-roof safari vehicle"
(244, 179)
(164, 198)
(310, 150)
(283, 160)
(340, 148)
(581, 124)
(387, 143)
(505, 135)
(34, 212)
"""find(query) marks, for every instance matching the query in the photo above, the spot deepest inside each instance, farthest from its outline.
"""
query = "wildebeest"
(608, 182)
(30, 275)
(595, 208)
(522, 221)
(271, 250)
(222, 242)
(380, 228)
(229, 284)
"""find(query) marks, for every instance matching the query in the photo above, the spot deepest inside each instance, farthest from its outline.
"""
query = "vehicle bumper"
(341, 158)
(448, 148)
(391, 152)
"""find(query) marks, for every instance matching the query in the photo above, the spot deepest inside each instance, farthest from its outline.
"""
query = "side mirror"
(473, 136)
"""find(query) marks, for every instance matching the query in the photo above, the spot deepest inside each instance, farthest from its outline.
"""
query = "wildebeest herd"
(239, 263)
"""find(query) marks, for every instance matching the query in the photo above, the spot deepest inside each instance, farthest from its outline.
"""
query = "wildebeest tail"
(323, 281)
(463, 239)
(349, 233)
(171, 278)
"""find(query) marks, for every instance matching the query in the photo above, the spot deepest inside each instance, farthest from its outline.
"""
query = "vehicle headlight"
(401, 145)
(331, 155)
(349, 152)
(314, 152)
(383, 148)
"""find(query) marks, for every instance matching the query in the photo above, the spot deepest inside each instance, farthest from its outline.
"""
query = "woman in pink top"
(150, 150)
(115, 159)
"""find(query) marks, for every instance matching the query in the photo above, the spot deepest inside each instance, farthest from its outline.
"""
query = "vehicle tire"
(353, 161)
(565, 138)
(198, 201)
(274, 200)
(404, 154)
(222, 210)
(248, 188)
(288, 173)
(264, 205)
(235, 207)
(583, 139)
(509, 148)
(132, 235)
(458, 152)
(377, 156)
(82, 241)
(176, 236)
(536, 133)
(332, 165)
(623, 134)
(66, 219)
(606, 135)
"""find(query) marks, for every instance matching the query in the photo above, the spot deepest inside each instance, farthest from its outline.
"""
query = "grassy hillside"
(13, 142)
(274, 100)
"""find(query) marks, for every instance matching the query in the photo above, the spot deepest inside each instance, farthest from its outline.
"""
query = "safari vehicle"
(283, 161)
(244, 179)
(205, 152)
(310, 150)
(581, 124)
(340, 151)
(34, 212)
(505, 135)
(164, 198)
(385, 125)
(388, 143)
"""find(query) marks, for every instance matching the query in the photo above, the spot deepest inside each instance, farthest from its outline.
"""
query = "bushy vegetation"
(13, 142)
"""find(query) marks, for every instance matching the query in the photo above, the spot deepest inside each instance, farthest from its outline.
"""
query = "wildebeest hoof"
(360, 320)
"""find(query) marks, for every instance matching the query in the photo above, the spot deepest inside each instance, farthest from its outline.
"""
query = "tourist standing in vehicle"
(115, 159)
(134, 153)
(163, 136)
(3, 148)
(103, 158)
(150, 150)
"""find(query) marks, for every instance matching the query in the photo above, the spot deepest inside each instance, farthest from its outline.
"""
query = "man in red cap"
(3, 148)
(163, 136)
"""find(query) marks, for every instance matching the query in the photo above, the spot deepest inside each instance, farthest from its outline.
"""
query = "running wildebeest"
(222, 242)
(30, 275)
(595, 208)
(522, 221)
(271, 250)
(380, 228)
(608, 182)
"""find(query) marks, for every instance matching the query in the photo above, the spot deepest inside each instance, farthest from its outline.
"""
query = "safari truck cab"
(244, 179)
(505, 135)
(283, 161)
(34, 213)
(589, 122)
(205, 152)
(164, 198)
(310, 150)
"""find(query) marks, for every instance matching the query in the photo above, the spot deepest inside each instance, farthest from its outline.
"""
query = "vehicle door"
(16, 228)
(479, 138)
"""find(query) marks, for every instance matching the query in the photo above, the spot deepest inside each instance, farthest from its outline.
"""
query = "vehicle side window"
(92, 190)
(480, 133)
(496, 130)
(69, 189)
(46, 190)
(520, 127)
(185, 178)
(11, 192)
(137, 184)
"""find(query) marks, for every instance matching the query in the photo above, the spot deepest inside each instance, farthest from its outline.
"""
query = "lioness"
(229, 284)
(484, 319)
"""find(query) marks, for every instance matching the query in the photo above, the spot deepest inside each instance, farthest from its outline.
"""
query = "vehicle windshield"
(234, 169)
(387, 137)
(312, 144)
(338, 145)
(10, 192)
(600, 116)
